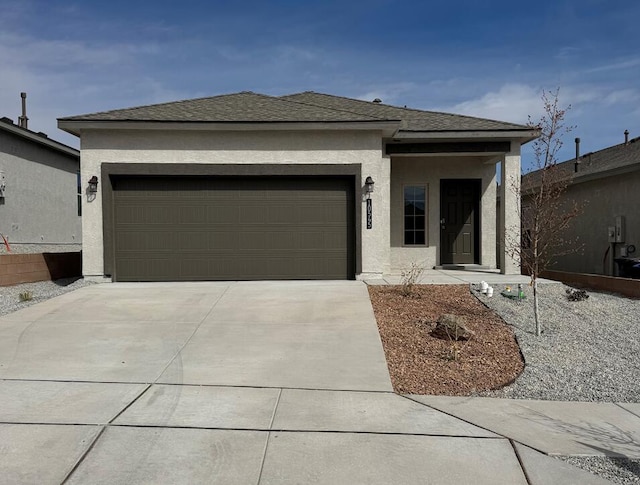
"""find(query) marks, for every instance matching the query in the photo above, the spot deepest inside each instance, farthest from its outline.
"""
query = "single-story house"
(304, 186)
(605, 185)
(39, 198)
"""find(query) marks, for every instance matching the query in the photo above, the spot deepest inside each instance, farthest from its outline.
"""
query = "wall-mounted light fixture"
(368, 184)
(93, 184)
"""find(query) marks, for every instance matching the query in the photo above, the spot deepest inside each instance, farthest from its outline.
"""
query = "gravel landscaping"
(18, 248)
(617, 470)
(589, 350)
(39, 291)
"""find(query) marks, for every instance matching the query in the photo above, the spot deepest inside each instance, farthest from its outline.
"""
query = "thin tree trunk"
(535, 307)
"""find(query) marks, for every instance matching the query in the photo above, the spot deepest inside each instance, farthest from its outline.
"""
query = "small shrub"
(410, 277)
(25, 296)
(453, 353)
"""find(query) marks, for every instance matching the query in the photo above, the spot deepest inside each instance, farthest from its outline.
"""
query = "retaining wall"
(28, 268)
(624, 286)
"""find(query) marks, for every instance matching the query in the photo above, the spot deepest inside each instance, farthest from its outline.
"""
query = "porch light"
(368, 183)
(93, 184)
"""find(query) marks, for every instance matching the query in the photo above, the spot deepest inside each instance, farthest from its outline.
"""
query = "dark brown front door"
(459, 215)
(233, 228)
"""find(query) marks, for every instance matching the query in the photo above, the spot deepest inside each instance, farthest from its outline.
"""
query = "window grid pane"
(414, 215)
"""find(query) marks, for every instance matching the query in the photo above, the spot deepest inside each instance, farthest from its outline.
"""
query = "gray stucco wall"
(429, 171)
(603, 199)
(40, 203)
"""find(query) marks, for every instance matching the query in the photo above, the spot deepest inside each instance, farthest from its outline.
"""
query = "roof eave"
(578, 178)
(523, 136)
(41, 140)
(75, 127)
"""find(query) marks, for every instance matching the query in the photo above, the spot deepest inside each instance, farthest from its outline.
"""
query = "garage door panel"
(251, 240)
(282, 240)
(233, 228)
(193, 241)
(129, 215)
(192, 214)
(282, 214)
(337, 240)
(226, 212)
(252, 214)
(141, 242)
(222, 239)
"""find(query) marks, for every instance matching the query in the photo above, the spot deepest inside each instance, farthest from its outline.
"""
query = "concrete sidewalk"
(125, 433)
(257, 383)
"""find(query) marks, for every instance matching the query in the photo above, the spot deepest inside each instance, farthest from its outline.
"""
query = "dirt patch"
(420, 363)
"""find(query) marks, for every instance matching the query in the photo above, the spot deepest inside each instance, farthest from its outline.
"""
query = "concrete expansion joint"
(83, 456)
(449, 414)
(104, 426)
(627, 410)
(140, 394)
(520, 462)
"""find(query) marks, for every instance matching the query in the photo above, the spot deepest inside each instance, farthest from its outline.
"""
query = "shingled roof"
(227, 108)
(248, 107)
(622, 157)
(412, 119)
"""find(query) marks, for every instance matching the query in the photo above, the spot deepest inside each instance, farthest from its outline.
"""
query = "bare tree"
(545, 212)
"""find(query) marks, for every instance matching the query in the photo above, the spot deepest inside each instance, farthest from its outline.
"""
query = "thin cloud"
(47, 53)
(389, 93)
(627, 64)
(518, 102)
(622, 96)
(511, 102)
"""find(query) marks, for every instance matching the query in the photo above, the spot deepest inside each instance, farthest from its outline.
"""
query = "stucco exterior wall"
(429, 171)
(510, 222)
(268, 147)
(603, 199)
(40, 203)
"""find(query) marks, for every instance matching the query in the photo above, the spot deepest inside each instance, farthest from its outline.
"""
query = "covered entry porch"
(444, 211)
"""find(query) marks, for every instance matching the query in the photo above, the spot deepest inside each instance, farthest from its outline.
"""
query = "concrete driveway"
(285, 335)
(248, 383)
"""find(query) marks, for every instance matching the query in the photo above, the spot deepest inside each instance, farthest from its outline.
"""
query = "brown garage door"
(232, 228)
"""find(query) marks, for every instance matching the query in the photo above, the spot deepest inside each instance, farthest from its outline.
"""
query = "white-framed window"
(415, 215)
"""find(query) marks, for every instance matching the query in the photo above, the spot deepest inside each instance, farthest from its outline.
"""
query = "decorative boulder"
(452, 327)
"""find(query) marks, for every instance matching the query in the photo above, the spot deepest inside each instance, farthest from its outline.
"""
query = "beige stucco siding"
(209, 147)
(429, 171)
(602, 200)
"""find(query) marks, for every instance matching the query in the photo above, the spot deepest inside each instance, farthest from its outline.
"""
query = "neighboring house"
(39, 199)
(249, 186)
(605, 184)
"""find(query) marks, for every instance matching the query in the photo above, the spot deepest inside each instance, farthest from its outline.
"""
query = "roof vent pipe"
(577, 155)
(626, 137)
(23, 121)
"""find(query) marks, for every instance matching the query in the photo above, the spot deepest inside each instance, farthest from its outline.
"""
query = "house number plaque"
(369, 214)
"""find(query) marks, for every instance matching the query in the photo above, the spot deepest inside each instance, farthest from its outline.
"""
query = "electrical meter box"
(620, 229)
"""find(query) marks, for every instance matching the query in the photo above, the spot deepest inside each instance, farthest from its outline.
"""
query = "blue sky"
(489, 59)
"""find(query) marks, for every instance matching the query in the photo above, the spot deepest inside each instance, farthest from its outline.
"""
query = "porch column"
(509, 210)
